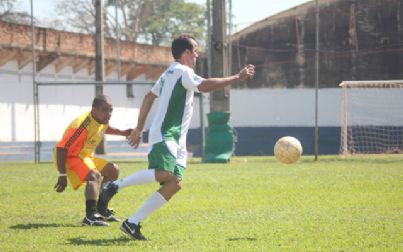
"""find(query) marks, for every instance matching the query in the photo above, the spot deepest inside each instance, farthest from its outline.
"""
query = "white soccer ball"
(288, 150)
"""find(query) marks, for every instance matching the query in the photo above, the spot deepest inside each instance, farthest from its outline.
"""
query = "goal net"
(371, 117)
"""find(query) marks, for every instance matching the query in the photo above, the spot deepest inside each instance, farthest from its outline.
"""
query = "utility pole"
(316, 132)
(117, 39)
(219, 60)
(230, 37)
(220, 138)
(99, 58)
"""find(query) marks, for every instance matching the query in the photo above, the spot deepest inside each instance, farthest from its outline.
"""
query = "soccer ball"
(287, 150)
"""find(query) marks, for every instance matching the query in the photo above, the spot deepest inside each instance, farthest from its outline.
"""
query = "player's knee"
(164, 176)
(110, 171)
(94, 175)
(178, 183)
(115, 172)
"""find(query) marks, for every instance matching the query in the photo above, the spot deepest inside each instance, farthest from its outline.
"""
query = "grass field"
(250, 204)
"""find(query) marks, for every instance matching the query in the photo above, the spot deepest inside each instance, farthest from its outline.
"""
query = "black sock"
(101, 206)
(91, 208)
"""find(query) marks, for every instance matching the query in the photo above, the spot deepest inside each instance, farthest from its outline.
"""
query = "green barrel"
(220, 138)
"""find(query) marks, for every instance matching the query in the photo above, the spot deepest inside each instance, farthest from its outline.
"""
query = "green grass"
(251, 204)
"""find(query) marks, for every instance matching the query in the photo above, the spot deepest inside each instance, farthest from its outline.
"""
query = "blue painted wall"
(255, 141)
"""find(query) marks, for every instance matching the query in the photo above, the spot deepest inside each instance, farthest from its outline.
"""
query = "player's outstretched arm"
(135, 136)
(114, 131)
(213, 84)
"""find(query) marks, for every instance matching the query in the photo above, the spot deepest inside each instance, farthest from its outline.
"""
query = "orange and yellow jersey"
(82, 136)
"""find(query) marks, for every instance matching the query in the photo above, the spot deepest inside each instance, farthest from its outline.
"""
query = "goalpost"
(371, 117)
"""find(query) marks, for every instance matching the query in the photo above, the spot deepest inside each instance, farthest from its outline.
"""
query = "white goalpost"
(371, 117)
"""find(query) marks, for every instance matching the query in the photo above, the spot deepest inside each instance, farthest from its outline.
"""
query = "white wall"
(371, 107)
(284, 107)
(59, 105)
(296, 107)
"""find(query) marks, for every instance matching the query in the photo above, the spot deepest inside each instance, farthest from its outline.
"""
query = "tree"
(78, 14)
(6, 7)
(7, 13)
(168, 18)
(134, 14)
(150, 21)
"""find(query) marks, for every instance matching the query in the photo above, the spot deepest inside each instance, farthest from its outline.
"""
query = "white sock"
(138, 178)
(153, 203)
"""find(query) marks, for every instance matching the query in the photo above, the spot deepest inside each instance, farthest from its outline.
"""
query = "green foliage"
(250, 204)
(169, 18)
(155, 22)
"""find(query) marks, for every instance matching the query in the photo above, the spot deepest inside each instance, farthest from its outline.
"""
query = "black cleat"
(108, 215)
(133, 230)
(108, 191)
(93, 222)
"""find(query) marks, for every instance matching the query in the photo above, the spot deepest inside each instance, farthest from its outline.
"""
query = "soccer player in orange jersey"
(75, 160)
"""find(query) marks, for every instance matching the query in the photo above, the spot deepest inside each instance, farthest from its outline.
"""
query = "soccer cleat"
(108, 191)
(108, 215)
(93, 222)
(98, 216)
(133, 230)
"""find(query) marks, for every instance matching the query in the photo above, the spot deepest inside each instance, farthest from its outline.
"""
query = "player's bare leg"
(109, 173)
(171, 184)
(91, 193)
(92, 187)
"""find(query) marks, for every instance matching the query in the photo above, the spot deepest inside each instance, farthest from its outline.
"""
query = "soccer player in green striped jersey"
(167, 135)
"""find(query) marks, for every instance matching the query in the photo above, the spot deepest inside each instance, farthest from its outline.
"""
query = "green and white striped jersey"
(175, 89)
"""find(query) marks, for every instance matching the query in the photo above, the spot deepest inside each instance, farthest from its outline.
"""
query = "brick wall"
(50, 40)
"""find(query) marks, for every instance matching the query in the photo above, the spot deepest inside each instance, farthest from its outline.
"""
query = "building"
(66, 57)
(359, 40)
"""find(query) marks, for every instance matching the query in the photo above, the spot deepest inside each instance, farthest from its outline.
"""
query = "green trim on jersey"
(172, 124)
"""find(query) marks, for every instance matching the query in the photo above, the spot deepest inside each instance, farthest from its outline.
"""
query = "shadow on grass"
(241, 239)
(100, 242)
(39, 225)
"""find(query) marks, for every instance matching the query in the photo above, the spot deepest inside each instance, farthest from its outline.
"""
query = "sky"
(246, 12)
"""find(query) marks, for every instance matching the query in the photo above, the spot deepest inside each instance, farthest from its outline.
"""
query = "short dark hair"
(99, 100)
(181, 44)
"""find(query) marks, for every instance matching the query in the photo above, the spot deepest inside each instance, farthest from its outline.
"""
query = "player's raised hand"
(135, 138)
(61, 184)
(247, 72)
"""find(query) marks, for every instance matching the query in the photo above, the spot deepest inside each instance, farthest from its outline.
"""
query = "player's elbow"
(150, 97)
(205, 88)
